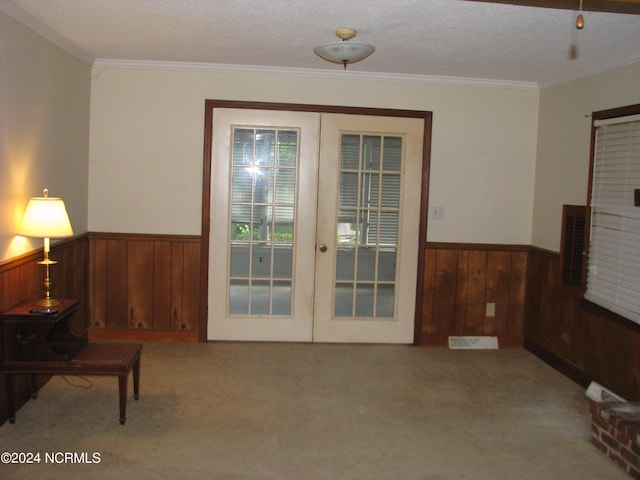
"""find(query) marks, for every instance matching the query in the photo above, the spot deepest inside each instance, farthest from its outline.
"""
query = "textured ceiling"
(448, 39)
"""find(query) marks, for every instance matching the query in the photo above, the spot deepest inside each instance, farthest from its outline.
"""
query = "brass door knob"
(323, 247)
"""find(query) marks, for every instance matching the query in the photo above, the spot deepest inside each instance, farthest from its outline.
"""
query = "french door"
(314, 226)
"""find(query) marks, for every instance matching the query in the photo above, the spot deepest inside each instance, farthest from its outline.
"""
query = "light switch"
(437, 213)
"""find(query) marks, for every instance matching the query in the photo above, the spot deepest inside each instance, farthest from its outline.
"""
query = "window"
(613, 261)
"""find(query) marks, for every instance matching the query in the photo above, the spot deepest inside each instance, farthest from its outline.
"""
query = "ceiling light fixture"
(580, 19)
(344, 52)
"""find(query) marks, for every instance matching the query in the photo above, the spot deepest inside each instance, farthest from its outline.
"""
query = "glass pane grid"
(368, 219)
(263, 208)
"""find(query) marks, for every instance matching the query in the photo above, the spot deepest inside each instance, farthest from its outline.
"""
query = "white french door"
(314, 226)
(368, 220)
(264, 170)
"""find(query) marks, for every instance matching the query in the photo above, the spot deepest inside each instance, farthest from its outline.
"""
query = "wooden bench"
(93, 359)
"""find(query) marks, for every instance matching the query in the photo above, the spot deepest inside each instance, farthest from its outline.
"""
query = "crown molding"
(616, 63)
(45, 32)
(316, 73)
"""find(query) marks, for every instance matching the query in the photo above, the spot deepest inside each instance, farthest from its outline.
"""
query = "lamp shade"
(46, 217)
(344, 52)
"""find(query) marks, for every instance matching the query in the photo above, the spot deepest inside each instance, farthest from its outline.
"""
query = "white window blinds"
(613, 278)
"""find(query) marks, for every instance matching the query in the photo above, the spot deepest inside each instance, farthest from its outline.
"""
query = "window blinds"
(370, 176)
(613, 275)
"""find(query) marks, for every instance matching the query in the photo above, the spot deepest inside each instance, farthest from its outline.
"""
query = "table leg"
(136, 379)
(122, 388)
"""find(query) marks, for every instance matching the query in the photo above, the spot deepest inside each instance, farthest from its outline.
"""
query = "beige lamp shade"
(46, 217)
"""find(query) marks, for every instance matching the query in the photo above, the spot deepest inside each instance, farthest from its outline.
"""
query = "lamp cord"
(87, 386)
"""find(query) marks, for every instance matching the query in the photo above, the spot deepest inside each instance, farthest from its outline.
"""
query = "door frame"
(211, 105)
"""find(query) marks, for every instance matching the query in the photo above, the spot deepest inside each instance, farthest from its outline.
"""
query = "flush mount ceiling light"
(344, 52)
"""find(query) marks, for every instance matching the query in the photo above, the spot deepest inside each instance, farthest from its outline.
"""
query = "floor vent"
(473, 343)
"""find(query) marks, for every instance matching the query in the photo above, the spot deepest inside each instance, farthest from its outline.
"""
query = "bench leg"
(136, 379)
(122, 388)
(33, 386)
(11, 396)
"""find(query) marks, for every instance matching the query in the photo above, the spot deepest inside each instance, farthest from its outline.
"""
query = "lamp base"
(48, 302)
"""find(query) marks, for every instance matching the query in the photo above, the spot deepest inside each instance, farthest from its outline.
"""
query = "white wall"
(147, 133)
(44, 131)
(562, 167)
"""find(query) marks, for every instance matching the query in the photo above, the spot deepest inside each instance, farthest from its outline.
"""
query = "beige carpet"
(303, 411)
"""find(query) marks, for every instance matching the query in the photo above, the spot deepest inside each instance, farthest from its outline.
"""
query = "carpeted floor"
(309, 411)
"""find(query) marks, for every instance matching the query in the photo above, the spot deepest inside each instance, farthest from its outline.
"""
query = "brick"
(634, 473)
(632, 428)
(622, 437)
(599, 445)
(616, 458)
(635, 448)
(630, 457)
(602, 423)
(610, 441)
(628, 424)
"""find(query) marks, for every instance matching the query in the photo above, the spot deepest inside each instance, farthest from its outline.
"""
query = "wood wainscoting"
(144, 287)
(581, 340)
(460, 280)
(22, 279)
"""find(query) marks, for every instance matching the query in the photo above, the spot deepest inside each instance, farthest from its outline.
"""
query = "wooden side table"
(36, 343)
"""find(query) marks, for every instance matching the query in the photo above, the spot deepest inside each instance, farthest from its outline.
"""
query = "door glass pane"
(384, 300)
(287, 148)
(392, 154)
(366, 263)
(263, 208)
(364, 300)
(283, 260)
(239, 265)
(261, 260)
(350, 152)
(349, 189)
(243, 146)
(386, 264)
(260, 297)
(344, 300)
(281, 298)
(239, 297)
(345, 266)
(371, 153)
(367, 225)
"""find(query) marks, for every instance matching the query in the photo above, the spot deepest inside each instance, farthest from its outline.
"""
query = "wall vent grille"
(573, 247)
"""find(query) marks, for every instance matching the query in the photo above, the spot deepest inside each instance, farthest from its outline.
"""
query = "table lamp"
(46, 217)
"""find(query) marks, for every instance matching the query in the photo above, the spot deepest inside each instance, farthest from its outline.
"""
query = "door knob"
(323, 247)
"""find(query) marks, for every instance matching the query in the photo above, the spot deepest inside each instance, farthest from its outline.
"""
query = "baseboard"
(565, 367)
(132, 335)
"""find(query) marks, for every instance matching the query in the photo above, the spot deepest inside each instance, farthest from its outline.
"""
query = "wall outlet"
(490, 309)
(437, 213)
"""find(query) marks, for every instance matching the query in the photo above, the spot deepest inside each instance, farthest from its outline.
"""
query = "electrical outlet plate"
(490, 310)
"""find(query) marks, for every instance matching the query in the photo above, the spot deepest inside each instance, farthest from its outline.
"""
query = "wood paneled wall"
(583, 341)
(144, 287)
(460, 279)
(22, 279)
